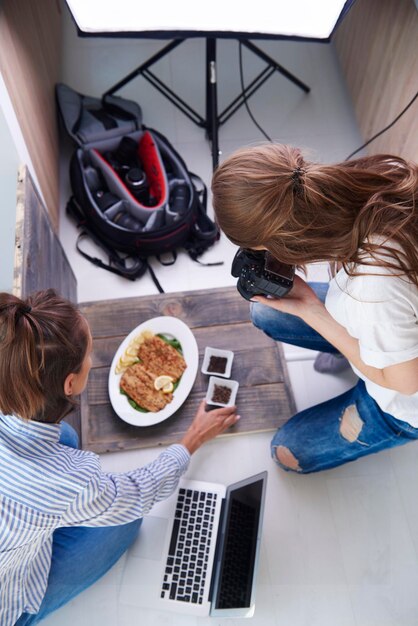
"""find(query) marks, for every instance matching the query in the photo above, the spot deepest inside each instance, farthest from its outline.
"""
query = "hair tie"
(297, 180)
(23, 310)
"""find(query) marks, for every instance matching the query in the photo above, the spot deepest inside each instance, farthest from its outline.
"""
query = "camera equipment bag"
(132, 192)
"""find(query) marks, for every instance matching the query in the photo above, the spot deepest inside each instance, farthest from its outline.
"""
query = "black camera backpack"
(132, 192)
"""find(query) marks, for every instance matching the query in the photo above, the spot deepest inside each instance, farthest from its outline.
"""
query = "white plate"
(167, 326)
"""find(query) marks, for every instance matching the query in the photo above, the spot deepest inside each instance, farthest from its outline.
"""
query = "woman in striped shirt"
(63, 521)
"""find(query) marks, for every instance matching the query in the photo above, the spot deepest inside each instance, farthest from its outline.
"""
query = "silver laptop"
(198, 552)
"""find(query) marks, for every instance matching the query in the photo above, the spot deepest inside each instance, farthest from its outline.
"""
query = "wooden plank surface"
(40, 260)
(197, 309)
(218, 318)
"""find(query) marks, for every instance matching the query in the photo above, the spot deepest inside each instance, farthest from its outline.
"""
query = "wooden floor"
(218, 318)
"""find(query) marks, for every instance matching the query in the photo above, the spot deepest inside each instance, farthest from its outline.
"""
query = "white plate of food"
(153, 371)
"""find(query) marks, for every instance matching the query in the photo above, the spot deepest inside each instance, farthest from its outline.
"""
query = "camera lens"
(94, 179)
(137, 183)
(127, 151)
(105, 199)
(136, 178)
(124, 219)
(179, 196)
(125, 157)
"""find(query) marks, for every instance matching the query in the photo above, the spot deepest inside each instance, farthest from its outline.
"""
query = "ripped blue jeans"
(334, 432)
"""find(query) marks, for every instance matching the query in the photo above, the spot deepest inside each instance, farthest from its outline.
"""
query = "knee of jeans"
(261, 315)
(281, 452)
(130, 532)
(351, 424)
(68, 436)
(253, 312)
(135, 526)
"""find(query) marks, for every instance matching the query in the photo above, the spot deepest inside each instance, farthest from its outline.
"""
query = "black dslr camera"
(126, 163)
(259, 273)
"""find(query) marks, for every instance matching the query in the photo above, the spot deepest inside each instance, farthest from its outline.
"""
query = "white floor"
(340, 548)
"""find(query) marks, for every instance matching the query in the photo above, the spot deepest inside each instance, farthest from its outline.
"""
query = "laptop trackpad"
(151, 539)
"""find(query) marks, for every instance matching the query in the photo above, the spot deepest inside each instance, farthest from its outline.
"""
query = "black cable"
(350, 155)
(384, 129)
(245, 97)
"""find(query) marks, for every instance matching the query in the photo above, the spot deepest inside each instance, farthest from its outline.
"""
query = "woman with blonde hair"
(361, 216)
(63, 521)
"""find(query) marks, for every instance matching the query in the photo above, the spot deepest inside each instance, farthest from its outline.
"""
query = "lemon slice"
(132, 350)
(165, 383)
(124, 362)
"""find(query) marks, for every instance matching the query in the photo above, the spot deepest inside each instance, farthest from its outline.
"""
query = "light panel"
(308, 19)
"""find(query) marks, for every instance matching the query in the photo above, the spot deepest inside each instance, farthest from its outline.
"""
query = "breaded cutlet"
(160, 358)
(138, 383)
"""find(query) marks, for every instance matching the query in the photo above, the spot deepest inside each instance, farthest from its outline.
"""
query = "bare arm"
(207, 425)
(302, 301)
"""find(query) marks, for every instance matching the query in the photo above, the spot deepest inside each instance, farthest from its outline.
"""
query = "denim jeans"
(334, 432)
(80, 555)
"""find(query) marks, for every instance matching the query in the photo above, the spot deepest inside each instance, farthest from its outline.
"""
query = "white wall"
(9, 162)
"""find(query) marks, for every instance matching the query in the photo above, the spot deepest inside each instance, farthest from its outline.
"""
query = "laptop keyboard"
(188, 554)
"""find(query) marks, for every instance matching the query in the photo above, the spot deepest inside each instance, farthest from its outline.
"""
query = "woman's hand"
(299, 301)
(207, 425)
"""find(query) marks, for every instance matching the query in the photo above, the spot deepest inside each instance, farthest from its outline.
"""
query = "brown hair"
(304, 212)
(42, 339)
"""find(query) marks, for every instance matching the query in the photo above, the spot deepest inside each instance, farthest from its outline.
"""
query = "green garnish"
(172, 342)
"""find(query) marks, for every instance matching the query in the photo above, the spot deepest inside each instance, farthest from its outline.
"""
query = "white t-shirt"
(381, 311)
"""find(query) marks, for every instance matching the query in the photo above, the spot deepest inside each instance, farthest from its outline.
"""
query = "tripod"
(213, 120)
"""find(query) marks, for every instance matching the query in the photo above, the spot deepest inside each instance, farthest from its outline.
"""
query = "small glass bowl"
(226, 354)
(222, 382)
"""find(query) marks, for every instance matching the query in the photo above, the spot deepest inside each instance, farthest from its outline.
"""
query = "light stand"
(299, 20)
(213, 120)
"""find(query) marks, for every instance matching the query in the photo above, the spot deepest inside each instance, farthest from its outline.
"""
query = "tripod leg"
(276, 65)
(139, 70)
(212, 99)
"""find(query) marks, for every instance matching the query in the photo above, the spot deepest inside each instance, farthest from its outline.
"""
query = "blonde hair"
(302, 212)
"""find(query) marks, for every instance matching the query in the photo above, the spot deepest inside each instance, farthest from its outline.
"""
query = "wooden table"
(218, 318)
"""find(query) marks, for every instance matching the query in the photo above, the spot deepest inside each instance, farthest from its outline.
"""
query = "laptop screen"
(238, 550)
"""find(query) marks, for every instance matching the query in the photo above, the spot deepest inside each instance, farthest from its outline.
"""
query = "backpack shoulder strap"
(117, 263)
(204, 232)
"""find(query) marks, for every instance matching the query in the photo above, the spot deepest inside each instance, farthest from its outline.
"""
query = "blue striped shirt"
(45, 485)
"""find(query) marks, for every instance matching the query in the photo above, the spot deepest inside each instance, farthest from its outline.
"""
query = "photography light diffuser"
(304, 19)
